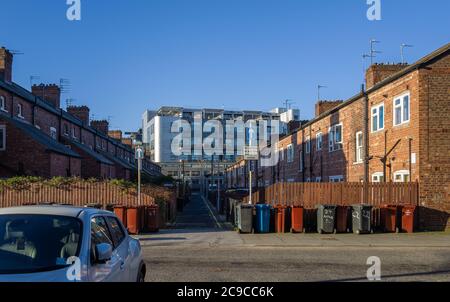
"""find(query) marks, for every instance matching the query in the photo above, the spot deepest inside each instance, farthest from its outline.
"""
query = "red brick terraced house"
(38, 138)
(396, 129)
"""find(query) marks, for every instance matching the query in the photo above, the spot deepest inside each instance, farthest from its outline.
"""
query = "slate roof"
(40, 137)
(99, 157)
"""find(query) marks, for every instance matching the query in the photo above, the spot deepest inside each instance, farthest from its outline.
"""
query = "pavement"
(201, 246)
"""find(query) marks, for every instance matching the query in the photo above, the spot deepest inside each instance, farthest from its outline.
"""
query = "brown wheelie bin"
(343, 214)
(121, 213)
(134, 220)
(409, 219)
(280, 218)
(390, 218)
(151, 220)
(297, 224)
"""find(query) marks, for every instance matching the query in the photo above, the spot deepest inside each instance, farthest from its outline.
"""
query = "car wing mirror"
(103, 252)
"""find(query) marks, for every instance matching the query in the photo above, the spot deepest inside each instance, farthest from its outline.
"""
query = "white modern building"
(157, 138)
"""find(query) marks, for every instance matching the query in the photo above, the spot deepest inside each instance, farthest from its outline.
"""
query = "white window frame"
(66, 127)
(74, 134)
(308, 145)
(3, 104)
(20, 110)
(336, 178)
(318, 179)
(401, 98)
(290, 153)
(377, 116)
(333, 144)
(359, 147)
(53, 133)
(377, 177)
(3, 145)
(402, 173)
(319, 141)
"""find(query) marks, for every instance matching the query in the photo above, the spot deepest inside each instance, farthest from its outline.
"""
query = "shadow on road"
(394, 276)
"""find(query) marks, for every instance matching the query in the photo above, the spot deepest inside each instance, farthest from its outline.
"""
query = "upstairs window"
(66, 130)
(290, 153)
(359, 147)
(53, 133)
(401, 110)
(2, 103)
(74, 134)
(378, 118)
(319, 141)
(335, 139)
(2, 137)
(20, 110)
(308, 145)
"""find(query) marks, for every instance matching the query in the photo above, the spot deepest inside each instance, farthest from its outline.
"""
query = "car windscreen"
(37, 243)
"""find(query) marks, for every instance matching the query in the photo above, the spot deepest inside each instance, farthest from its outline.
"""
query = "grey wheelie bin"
(235, 211)
(362, 219)
(326, 219)
(245, 218)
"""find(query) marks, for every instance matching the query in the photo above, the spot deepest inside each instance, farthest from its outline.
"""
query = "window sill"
(3, 110)
(377, 132)
(358, 163)
(21, 117)
(401, 125)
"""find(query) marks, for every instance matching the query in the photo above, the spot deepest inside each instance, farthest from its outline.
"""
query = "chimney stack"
(379, 72)
(116, 134)
(101, 126)
(51, 93)
(6, 61)
(81, 112)
(324, 106)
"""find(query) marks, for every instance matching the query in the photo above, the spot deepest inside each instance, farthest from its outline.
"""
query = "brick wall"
(434, 156)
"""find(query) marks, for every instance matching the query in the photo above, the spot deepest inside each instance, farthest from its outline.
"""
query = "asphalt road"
(200, 249)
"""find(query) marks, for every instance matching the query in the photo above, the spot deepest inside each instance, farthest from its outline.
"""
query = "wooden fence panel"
(79, 194)
(310, 195)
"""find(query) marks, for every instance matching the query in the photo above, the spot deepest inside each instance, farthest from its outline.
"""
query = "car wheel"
(141, 275)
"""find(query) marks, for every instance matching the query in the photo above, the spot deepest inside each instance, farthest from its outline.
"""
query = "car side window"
(118, 235)
(99, 234)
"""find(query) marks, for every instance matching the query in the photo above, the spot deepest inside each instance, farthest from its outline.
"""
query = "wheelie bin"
(343, 215)
(245, 218)
(134, 220)
(409, 218)
(326, 219)
(262, 218)
(151, 220)
(297, 220)
(390, 218)
(121, 213)
(362, 219)
(280, 219)
(236, 214)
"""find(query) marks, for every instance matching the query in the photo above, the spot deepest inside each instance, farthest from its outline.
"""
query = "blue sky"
(128, 55)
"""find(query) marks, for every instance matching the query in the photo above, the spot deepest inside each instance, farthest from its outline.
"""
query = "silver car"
(67, 244)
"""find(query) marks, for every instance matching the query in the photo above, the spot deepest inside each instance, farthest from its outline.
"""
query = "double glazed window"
(378, 118)
(359, 147)
(290, 153)
(401, 109)
(20, 110)
(53, 133)
(378, 177)
(2, 138)
(335, 138)
(319, 141)
(308, 145)
(2, 103)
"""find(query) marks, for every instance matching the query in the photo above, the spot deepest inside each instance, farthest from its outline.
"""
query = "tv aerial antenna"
(373, 52)
(65, 86)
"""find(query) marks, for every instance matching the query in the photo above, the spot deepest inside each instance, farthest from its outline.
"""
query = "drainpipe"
(366, 133)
